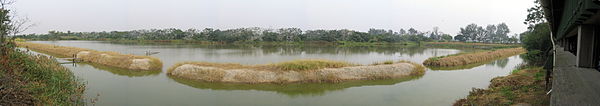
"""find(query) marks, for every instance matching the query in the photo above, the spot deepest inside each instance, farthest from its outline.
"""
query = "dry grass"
(522, 86)
(113, 59)
(420, 69)
(313, 70)
(471, 58)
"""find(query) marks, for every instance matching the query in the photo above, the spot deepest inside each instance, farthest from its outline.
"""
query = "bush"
(537, 41)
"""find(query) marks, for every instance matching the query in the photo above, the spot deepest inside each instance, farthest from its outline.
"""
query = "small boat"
(150, 53)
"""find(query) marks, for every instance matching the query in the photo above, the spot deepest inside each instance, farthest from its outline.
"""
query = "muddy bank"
(472, 58)
(112, 59)
(270, 74)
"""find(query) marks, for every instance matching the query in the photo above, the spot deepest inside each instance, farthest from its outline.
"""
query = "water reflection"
(122, 72)
(287, 50)
(294, 89)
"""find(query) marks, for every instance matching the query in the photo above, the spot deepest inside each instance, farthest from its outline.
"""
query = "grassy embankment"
(471, 58)
(293, 71)
(36, 80)
(113, 59)
(522, 86)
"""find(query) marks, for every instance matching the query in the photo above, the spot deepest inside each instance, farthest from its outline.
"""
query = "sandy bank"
(112, 59)
(268, 74)
(472, 58)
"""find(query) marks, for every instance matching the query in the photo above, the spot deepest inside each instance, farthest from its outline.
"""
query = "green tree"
(446, 37)
(461, 38)
(470, 32)
(489, 34)
(4, 24)
(501, 34)
(535, 15)
(537, 38)
(537, 42)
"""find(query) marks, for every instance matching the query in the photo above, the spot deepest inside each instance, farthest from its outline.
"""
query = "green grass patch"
(311, 64)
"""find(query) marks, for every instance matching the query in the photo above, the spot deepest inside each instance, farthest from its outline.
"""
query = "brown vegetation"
(525, 86)
(131, 62)
(471, 58)
(292, 71)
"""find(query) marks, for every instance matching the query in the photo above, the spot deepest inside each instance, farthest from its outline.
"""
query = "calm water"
(436, 87)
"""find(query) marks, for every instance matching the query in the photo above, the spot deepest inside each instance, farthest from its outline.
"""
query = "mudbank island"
(298, 71)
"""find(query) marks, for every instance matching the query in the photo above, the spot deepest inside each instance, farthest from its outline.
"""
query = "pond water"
(121, 87)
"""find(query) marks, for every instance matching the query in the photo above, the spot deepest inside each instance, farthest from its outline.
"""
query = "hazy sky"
(423, 15)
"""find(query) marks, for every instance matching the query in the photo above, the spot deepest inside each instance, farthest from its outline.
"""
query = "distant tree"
(402, 32)
(461, 38)
(480, 34)
(446, 37)
(513, 39)
(435, 33)
(290, 34)
(470, 32)
(412, 31)
(501, 34)
(489, 34)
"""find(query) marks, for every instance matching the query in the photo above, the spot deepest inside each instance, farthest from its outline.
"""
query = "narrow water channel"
(121, 87)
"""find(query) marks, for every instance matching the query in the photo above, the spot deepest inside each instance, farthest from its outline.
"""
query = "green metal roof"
(565, 15)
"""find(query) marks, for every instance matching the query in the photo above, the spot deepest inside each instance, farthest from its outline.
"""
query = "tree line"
(256, 34)
(489, 34)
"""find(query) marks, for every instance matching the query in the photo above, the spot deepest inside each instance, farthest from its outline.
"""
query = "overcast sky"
(121, 15)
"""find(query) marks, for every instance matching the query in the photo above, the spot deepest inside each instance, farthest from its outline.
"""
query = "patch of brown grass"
(104, 58)
(420, 69)
(522, 86)
(471, 58)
